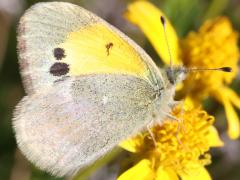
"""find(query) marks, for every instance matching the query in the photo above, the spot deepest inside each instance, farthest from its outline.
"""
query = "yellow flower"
(178, 152)
(214, 45)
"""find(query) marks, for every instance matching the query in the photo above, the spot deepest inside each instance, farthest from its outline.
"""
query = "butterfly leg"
(151, 133)
(180, 121)
(173, 104)
(181, 104)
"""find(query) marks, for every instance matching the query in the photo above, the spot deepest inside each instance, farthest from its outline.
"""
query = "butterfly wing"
(89, 87)
(60, 39)
(68, 127)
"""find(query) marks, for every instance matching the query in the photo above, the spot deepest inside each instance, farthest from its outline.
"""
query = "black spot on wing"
(59, 53)
(59, 69)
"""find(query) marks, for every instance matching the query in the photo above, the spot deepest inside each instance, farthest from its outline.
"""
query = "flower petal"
(232, 117)
(233, 96)
(129, 145)
(213, 138)
(189, 103)
(147, 17)
(233, 120)
(166, 174)
(132, 144)
(141, 171)
(196, 173)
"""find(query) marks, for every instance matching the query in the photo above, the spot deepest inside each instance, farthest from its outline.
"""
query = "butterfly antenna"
(187, 70)
(224, 69)
(163, 21)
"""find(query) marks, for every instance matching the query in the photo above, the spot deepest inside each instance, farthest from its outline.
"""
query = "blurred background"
(186, 15)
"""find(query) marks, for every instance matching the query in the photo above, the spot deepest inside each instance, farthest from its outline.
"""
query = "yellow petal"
(188, 103)
(132, 144)
(233, 120)
(234, 98)
(147, 17)
(129, 145)
(232, 117)
(141, 171)
(166, 174)
(196, 173)
(213, 138)
(179, 86)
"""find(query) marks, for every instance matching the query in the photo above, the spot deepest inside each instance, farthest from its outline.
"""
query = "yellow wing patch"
(97, 49)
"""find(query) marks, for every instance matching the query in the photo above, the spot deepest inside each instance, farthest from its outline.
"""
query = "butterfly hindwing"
(78, 121)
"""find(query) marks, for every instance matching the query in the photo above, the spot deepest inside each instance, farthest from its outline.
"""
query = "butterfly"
(88, 87)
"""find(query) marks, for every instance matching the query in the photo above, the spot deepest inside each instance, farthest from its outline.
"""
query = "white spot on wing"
(105, 100)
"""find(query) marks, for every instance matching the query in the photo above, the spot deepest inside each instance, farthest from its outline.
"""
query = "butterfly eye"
(59, 53)
(59, 69)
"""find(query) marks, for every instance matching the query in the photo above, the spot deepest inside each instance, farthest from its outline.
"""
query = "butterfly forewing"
(59, 39)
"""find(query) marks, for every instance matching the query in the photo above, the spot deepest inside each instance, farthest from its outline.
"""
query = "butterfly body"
(88, 88)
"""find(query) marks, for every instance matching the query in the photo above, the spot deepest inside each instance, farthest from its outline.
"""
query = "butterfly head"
(175, 74)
